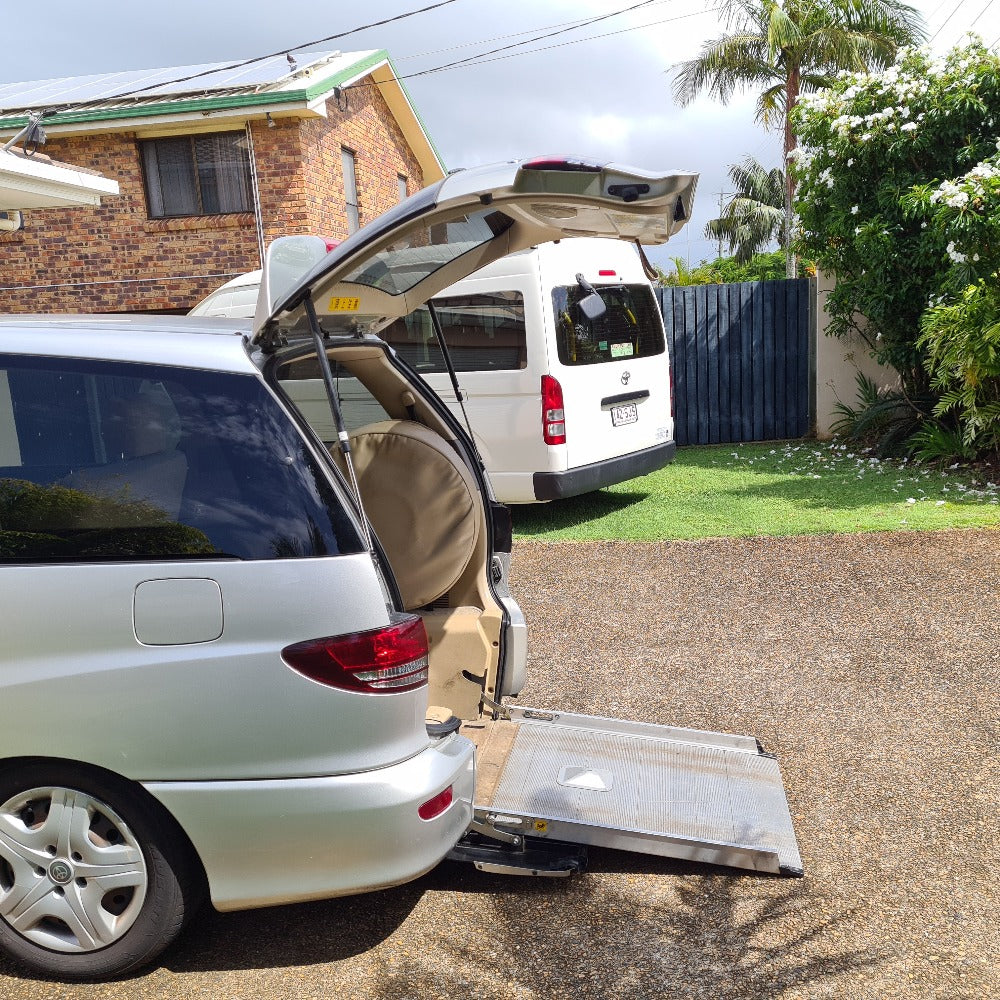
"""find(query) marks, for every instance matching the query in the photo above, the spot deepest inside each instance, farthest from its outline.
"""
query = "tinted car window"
(426, 248)
(629, 328)
(483, 333)
(103, 460)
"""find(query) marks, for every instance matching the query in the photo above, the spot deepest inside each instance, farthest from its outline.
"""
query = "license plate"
(627, 414)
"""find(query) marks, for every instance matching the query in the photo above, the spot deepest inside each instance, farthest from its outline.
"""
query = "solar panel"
(208, 77)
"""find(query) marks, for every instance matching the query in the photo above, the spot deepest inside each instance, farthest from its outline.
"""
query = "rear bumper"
(281, 841)
(587, 478)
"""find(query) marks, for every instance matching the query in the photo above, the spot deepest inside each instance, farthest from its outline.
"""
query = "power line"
(980, 14)
(481, 59)
(954, 11)
(538, 38)
(270, 55)
(577, 22)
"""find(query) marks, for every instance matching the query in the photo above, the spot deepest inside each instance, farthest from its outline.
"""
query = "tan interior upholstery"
(423, 503)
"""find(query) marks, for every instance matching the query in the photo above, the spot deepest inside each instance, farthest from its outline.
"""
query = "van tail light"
(553, 413)
(672, 414)
(437, 805)
(380, 661)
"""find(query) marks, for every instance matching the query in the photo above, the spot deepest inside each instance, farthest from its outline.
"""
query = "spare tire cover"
(423, 503)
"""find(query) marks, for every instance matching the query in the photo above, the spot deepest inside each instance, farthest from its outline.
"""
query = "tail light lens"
(437, 805)
(553, 414)
(380, 661)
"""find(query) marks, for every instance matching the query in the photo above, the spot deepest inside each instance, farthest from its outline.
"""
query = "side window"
(302, 382)
(348, 163)
(483, 333)
(104, 461)
(197, 175)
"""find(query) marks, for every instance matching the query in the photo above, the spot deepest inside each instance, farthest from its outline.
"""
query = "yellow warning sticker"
(541, 825)
(343, 303)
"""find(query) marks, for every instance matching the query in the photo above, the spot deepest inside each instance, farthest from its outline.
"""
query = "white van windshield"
(630, 327)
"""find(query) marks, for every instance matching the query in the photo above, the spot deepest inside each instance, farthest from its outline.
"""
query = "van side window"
(630, 327)
(106, 460)
(301, 380)
(483, 332)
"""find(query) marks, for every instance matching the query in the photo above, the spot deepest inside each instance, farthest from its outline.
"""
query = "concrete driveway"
(869, 663)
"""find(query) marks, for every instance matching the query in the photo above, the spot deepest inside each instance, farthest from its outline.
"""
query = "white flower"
(955, 255)
(908, 127)
(911, 500)
(854, 210)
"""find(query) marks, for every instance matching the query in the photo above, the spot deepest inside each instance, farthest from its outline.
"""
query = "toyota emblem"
(626, 376)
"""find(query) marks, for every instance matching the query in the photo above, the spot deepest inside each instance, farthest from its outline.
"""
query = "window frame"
(199, 195)
(349, 169)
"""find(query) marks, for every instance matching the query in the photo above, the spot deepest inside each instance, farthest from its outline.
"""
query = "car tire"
(95, 878)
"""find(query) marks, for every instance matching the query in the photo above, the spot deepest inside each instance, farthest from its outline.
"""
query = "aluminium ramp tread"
(707, 797)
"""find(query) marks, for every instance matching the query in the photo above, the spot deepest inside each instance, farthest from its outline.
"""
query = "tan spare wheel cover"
(423, 503)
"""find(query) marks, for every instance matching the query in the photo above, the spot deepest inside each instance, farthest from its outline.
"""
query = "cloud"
(608, 97)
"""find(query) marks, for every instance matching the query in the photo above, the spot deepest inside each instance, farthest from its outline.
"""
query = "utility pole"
(722, 195)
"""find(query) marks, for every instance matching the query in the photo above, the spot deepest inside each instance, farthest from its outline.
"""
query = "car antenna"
(343, 440)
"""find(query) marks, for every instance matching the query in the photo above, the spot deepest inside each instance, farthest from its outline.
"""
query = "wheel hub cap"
(60, 872)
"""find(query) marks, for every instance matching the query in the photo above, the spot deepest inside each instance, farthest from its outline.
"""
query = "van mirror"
(591, 305)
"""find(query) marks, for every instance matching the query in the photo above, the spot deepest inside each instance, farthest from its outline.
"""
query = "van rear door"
(613, 369)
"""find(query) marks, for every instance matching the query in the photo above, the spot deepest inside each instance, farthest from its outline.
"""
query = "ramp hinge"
(486, 825)
(499, 711)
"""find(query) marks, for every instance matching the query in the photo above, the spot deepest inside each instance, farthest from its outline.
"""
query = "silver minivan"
(257, 627)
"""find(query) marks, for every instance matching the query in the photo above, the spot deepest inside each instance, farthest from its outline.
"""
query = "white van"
(559, 402)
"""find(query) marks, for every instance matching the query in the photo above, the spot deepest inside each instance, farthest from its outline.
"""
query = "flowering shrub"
(899, 196)
(960, 330)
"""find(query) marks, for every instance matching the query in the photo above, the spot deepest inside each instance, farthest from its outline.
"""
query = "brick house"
(212, 163)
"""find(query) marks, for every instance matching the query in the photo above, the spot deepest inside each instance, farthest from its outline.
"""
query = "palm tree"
(755, 215)
(792, 46)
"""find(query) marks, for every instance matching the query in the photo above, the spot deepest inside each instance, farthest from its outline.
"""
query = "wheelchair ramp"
(679, 793)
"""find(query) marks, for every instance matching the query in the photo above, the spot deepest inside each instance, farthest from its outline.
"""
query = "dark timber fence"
(741, 360)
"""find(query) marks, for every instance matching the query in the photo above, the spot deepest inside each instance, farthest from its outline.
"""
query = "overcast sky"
(606, 96)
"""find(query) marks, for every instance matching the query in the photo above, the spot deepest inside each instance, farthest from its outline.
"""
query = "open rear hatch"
(548, 779)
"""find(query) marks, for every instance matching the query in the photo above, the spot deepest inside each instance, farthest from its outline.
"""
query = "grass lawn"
(778, 488)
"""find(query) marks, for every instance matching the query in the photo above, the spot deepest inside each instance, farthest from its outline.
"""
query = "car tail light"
(607, 274)
(437, 805)
(553, 414)
(380, 661)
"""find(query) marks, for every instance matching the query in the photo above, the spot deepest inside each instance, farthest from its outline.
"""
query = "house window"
(401, 181)
(197, 175)
(350, 190)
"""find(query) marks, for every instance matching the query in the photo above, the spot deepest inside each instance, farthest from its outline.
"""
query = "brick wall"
(116, 259)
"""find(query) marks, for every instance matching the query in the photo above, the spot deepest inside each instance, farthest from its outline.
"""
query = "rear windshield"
(421, 251)
(102, 460)
(629, 328)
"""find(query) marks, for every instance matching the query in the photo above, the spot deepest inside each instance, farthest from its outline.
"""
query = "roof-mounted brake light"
(562, 163)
